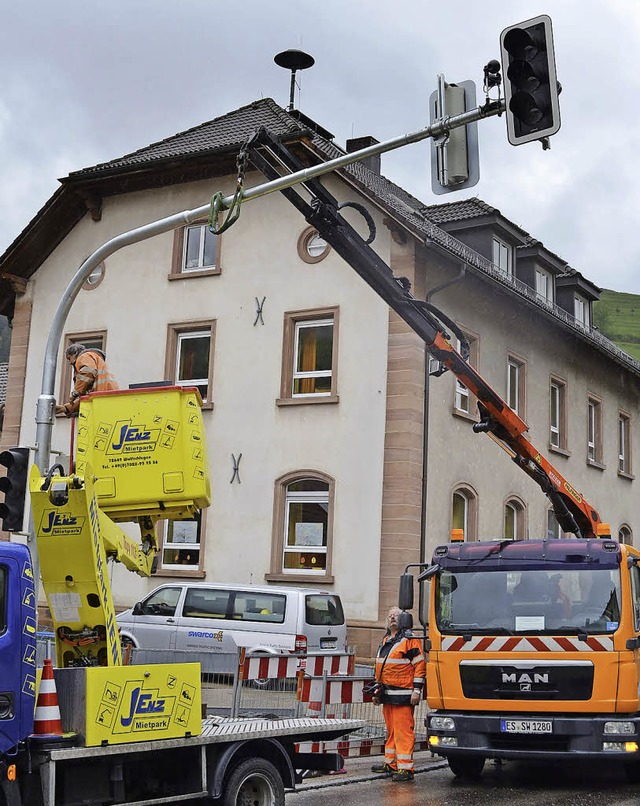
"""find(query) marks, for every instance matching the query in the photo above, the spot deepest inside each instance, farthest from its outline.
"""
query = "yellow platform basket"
(147, 449)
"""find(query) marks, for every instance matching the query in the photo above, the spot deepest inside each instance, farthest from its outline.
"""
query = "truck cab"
(534, 651)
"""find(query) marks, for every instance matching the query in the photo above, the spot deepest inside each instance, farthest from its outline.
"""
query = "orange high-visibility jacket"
(400, 666)
(91, 374)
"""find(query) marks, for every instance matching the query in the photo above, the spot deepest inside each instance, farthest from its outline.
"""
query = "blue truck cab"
(17, 646)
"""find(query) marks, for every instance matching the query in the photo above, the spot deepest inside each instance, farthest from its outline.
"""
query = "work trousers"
(398, 748)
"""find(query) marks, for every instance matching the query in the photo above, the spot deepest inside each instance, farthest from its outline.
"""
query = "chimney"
(357, 143)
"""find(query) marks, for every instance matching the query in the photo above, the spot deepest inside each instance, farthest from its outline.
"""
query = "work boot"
(383, 769)
(402, 776)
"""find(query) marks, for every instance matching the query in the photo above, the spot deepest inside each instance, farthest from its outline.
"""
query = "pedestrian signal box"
(147, 450)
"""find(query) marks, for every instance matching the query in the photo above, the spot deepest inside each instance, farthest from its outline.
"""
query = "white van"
(266, 620)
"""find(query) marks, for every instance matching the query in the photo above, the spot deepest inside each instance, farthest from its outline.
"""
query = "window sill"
(464, 415)
(624, 475)
(187, 275)
(207, 406)
(305, 401)
(327, 579)
(180, 574)
(596, 465)
(560, 451)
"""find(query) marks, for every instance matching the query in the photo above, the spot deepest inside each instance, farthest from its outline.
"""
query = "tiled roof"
(222, 133)
(458, 210)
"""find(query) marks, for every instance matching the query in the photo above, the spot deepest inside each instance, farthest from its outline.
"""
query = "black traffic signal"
(14, 487)
(531, 87)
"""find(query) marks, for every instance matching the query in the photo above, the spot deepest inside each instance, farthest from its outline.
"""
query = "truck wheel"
(254, 782)
(632, 771)
(467, 766)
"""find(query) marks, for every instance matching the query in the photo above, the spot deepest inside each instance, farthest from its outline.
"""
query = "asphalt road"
(434, 785)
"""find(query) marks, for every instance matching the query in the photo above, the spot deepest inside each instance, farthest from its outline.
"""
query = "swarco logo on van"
(54, 522)
(128, 437)
(216, 636)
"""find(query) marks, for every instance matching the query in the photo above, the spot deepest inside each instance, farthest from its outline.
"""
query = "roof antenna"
(293, 60)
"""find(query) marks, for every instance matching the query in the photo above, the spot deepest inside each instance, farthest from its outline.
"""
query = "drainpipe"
(425, 431)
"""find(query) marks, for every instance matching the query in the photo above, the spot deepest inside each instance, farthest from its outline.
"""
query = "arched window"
(625, 535)
(464, 512)
(514, 526)
(302, 526)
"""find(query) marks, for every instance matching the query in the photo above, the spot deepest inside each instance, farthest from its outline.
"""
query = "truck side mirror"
(405, 596)
(405, 621)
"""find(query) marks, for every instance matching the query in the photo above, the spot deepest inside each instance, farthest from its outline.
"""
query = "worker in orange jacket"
(400, 667)
(90, 374)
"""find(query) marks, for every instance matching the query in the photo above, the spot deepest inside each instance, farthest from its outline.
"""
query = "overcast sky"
(85, 82)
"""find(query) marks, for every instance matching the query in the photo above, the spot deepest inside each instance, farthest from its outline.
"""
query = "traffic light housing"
(531, 86)
(14, 487)
(455, 163)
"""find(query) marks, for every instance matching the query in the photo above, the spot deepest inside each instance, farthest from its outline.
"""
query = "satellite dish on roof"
(293, 60)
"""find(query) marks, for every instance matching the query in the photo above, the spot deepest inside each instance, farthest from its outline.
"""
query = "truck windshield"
(584, 600)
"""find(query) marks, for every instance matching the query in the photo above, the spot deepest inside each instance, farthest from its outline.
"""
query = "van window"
(251, 606)
(162, 602)
(206, 603)
(323, 610)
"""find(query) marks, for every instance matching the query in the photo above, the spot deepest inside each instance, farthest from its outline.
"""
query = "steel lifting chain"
(217, 201)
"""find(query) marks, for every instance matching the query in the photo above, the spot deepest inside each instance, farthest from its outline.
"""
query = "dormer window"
(544, 285)
(581, 310)
(502, 256)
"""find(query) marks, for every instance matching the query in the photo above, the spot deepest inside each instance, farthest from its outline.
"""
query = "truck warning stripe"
(529, 643)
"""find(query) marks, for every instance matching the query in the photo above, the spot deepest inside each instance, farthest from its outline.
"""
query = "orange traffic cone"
(47, 721)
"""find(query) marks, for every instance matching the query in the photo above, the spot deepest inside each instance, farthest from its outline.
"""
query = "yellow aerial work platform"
(147, 449)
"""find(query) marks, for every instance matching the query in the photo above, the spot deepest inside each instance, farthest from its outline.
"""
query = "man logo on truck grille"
(526, 680)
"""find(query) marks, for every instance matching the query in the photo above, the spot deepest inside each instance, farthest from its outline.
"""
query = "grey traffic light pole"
(46, 401)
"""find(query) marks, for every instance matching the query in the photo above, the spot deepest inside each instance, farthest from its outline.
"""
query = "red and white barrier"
(333, 692)
(261, 667)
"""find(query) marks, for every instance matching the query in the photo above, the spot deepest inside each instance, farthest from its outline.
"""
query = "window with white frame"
(463, 402)
(557, 414)
(309, 371)
(581, 310)
(200, 248)
(516, 378)
(544, 285)
(502, 256)
(196, 252)
(302, 533)
(554, 529)
(190, 357)
(624, 444)
(305, 527)
(625, 535)
(182, 543)
(464, 512)
(594, 430)
(514, 520)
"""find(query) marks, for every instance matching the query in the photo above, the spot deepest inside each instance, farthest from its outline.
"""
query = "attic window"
(502, 257)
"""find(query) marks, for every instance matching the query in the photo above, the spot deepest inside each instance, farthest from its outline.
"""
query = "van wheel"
(254, 782)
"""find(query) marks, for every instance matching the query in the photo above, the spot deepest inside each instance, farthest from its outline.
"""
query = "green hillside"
(617, 315)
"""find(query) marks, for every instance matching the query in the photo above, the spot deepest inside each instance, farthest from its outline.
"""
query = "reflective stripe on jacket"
(400, 665)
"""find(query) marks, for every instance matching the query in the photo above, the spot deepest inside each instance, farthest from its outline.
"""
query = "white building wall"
(134, 303)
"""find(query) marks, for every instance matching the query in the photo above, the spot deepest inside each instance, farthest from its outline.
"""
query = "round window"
(311, 247)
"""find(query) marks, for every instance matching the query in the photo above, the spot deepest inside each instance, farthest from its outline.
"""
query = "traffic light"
(531, 87)
(14, 487)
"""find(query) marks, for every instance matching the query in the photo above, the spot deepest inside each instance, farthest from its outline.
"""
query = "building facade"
(337, 458)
